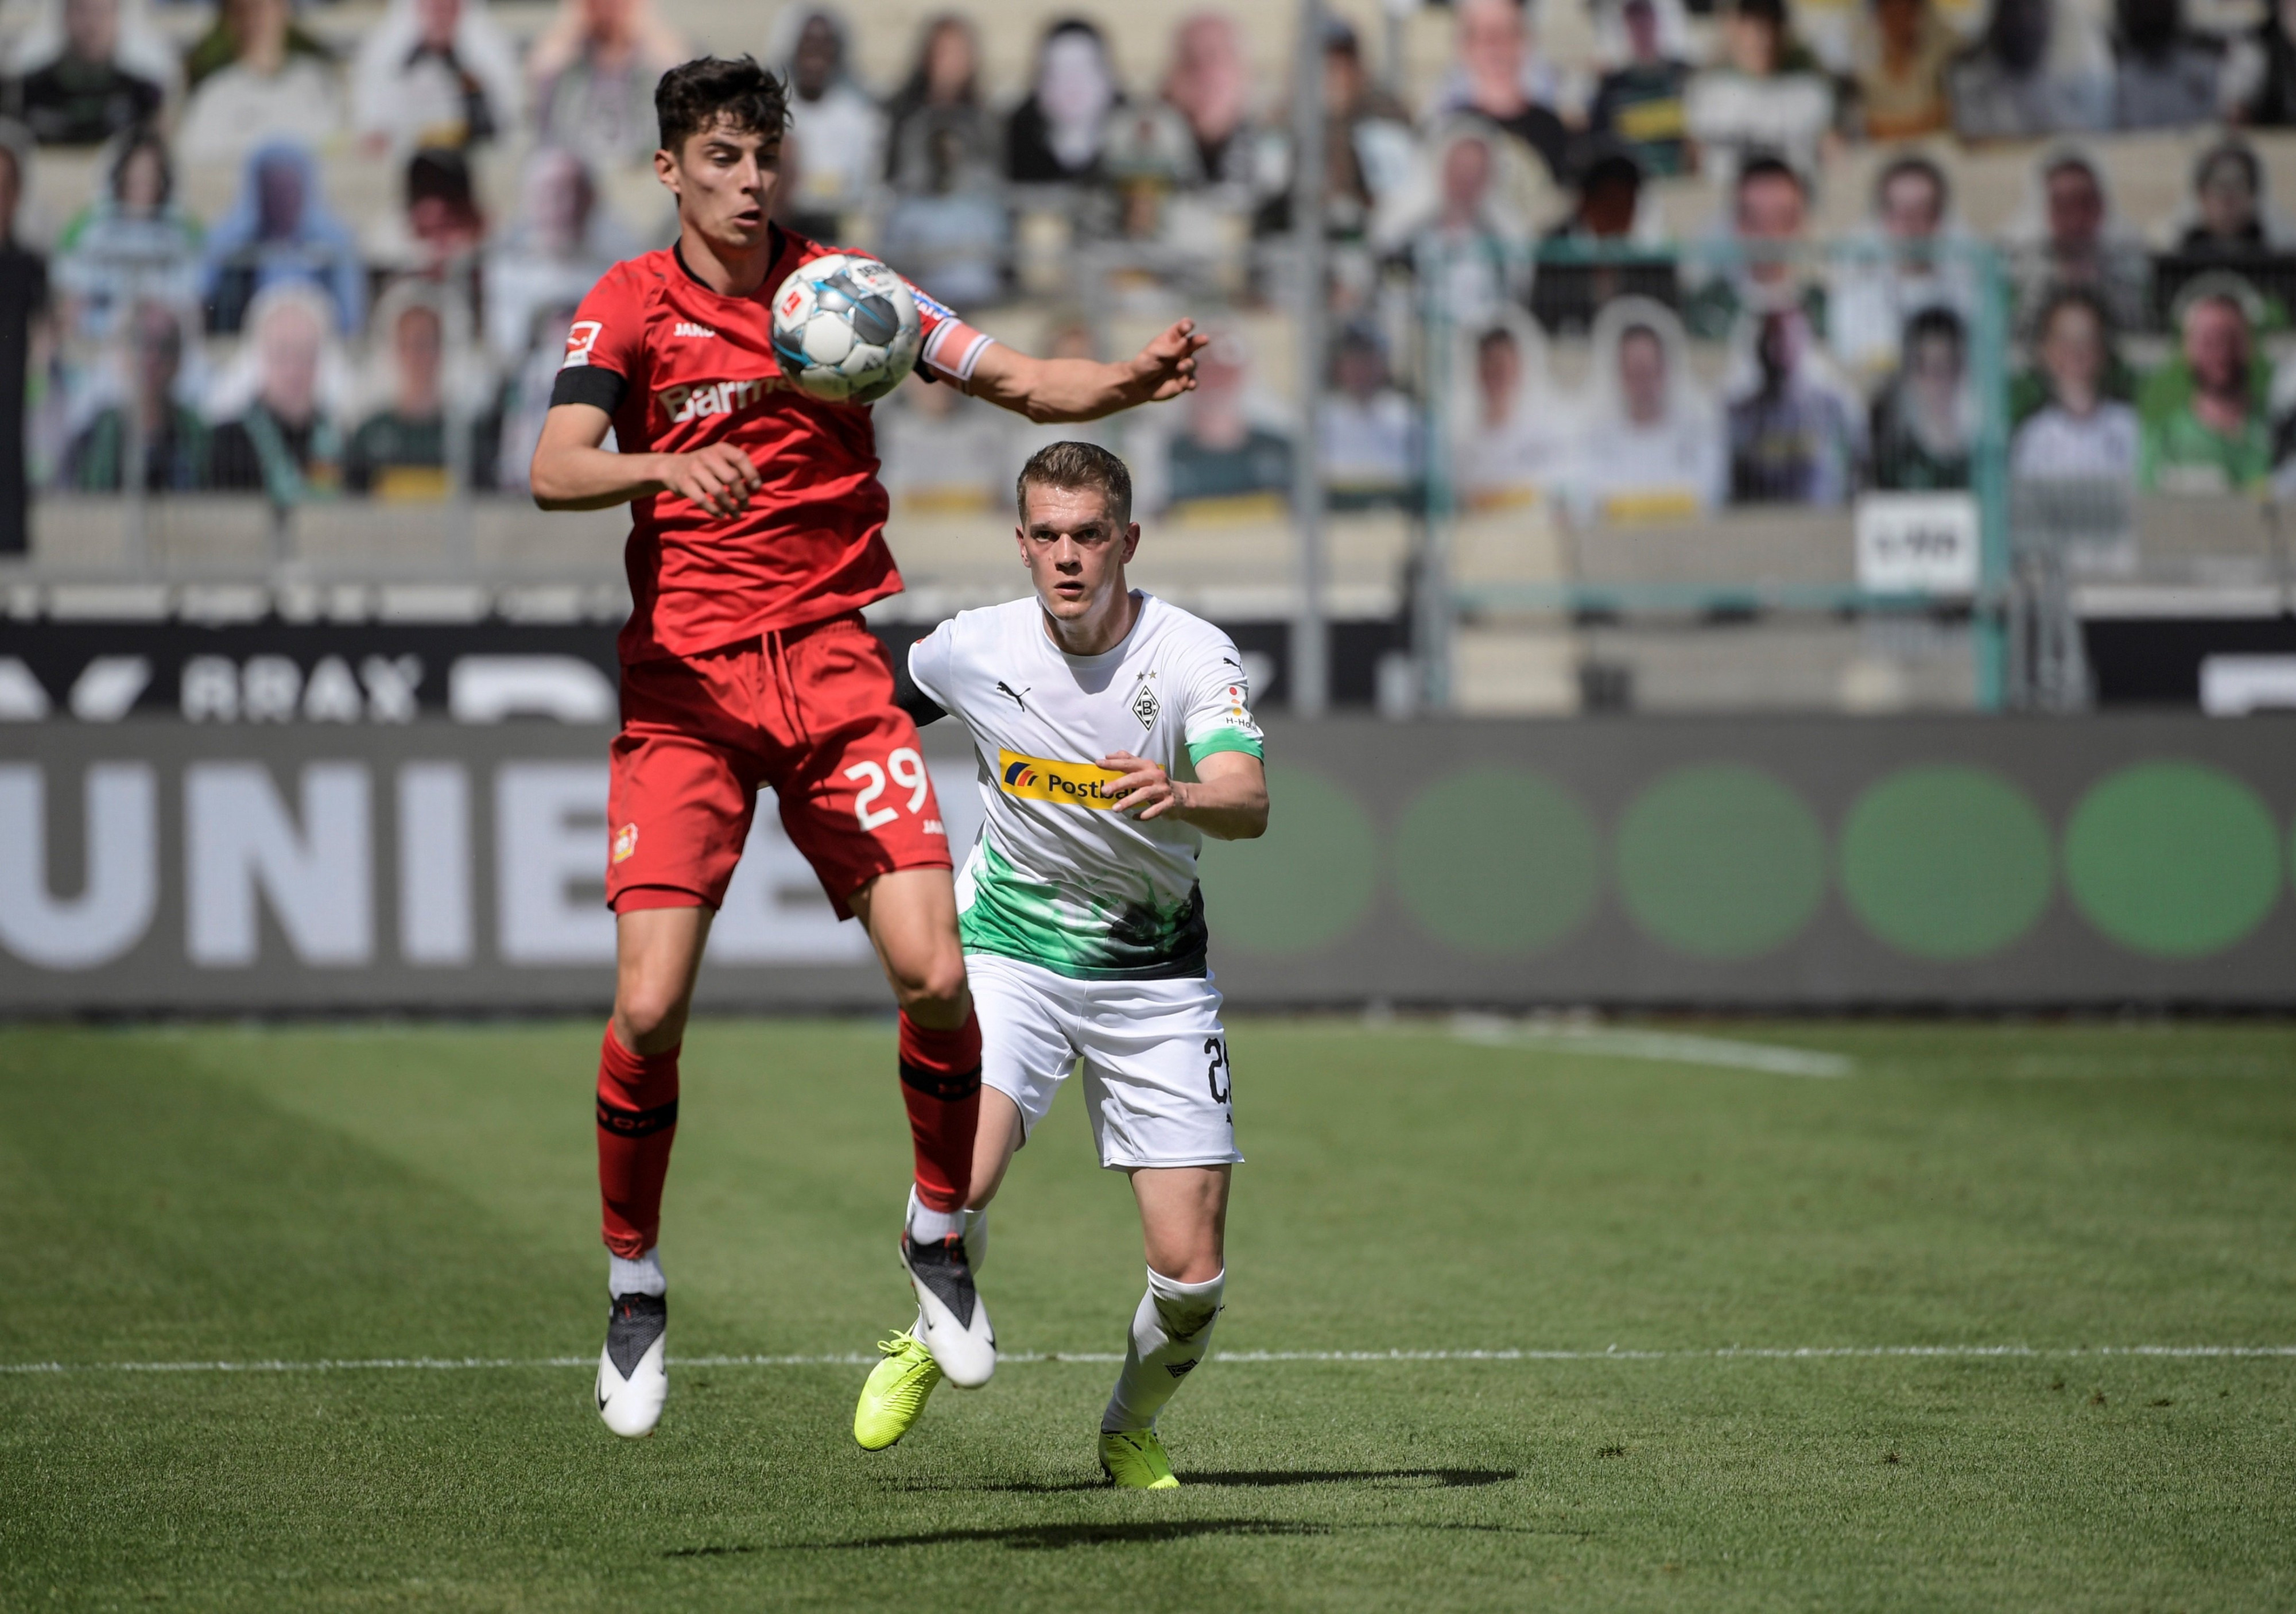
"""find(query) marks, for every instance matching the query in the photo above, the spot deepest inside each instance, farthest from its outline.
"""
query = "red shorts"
(809, 712)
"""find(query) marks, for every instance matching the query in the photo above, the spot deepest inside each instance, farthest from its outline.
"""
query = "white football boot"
(634, 1370)
(952, 1321)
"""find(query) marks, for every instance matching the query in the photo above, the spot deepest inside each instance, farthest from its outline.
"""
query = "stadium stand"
(1638, 330)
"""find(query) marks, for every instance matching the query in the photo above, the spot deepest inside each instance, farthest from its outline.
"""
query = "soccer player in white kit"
(1114, 732)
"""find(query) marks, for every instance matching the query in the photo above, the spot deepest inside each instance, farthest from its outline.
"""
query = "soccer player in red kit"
(757, 535)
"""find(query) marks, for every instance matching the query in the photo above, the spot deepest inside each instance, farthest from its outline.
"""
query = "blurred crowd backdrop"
(1617, 259)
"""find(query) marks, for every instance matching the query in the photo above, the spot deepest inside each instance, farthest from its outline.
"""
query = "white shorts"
(1154, 1053)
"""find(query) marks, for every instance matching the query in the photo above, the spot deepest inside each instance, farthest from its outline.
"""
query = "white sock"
(642, 1276)
(930, 1226)
(1171, 1333)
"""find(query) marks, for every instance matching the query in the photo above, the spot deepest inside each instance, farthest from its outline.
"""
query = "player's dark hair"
(1078, 464)
(697, 95)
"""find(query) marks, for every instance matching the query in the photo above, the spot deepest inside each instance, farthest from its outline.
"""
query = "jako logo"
(1036, 778)
(686, 327)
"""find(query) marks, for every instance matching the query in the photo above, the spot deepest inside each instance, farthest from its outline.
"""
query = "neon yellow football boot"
(1136, 1461)
(894, 1397)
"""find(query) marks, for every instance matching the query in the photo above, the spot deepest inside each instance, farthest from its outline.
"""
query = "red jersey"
(678, 366)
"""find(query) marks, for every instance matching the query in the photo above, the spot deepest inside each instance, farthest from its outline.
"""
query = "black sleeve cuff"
(922, 709)
(589, 384)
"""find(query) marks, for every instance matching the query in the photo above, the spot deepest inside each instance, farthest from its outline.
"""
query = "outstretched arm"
(1082, 389)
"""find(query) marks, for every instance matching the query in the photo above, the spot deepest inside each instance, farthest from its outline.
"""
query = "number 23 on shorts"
(902, 770)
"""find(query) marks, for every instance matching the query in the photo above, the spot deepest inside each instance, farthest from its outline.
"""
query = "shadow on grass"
(1428, 1479)
(1432, 1479)
(1060, 1537)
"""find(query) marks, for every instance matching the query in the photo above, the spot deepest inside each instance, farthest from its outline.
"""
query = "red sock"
(940, 1083)
(637, 1121)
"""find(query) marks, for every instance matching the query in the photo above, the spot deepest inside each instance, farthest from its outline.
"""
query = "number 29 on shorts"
(907, 771)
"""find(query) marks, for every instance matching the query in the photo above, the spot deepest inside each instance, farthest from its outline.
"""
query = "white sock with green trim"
(1171, 1333)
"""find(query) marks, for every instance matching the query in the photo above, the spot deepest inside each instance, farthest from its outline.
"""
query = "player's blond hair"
(1078, 464)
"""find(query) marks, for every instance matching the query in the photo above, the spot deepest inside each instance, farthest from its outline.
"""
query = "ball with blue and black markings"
(845, 328)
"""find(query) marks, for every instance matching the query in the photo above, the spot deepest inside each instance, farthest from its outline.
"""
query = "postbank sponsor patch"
(1036, 778)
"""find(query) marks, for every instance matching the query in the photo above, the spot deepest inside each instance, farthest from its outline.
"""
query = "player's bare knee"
(649, 1019)
(932, 992)
(1189, 1264)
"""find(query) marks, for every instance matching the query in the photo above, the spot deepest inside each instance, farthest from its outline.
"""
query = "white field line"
(1566, 1036)
(1728, 1353)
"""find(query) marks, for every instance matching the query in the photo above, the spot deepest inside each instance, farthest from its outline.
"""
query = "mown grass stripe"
(1795, 1353)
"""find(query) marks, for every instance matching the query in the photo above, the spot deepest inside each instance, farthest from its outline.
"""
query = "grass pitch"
(363, 1192)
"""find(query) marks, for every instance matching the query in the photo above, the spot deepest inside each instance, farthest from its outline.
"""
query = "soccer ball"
(845, 328)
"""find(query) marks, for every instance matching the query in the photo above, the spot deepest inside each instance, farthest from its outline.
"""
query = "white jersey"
(1058, 879)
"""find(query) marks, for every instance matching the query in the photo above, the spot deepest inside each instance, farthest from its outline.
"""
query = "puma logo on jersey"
(686, 327)
(699, 402)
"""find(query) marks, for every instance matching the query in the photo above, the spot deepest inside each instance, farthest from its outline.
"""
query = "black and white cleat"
(632, 1371)
(952, 1321)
